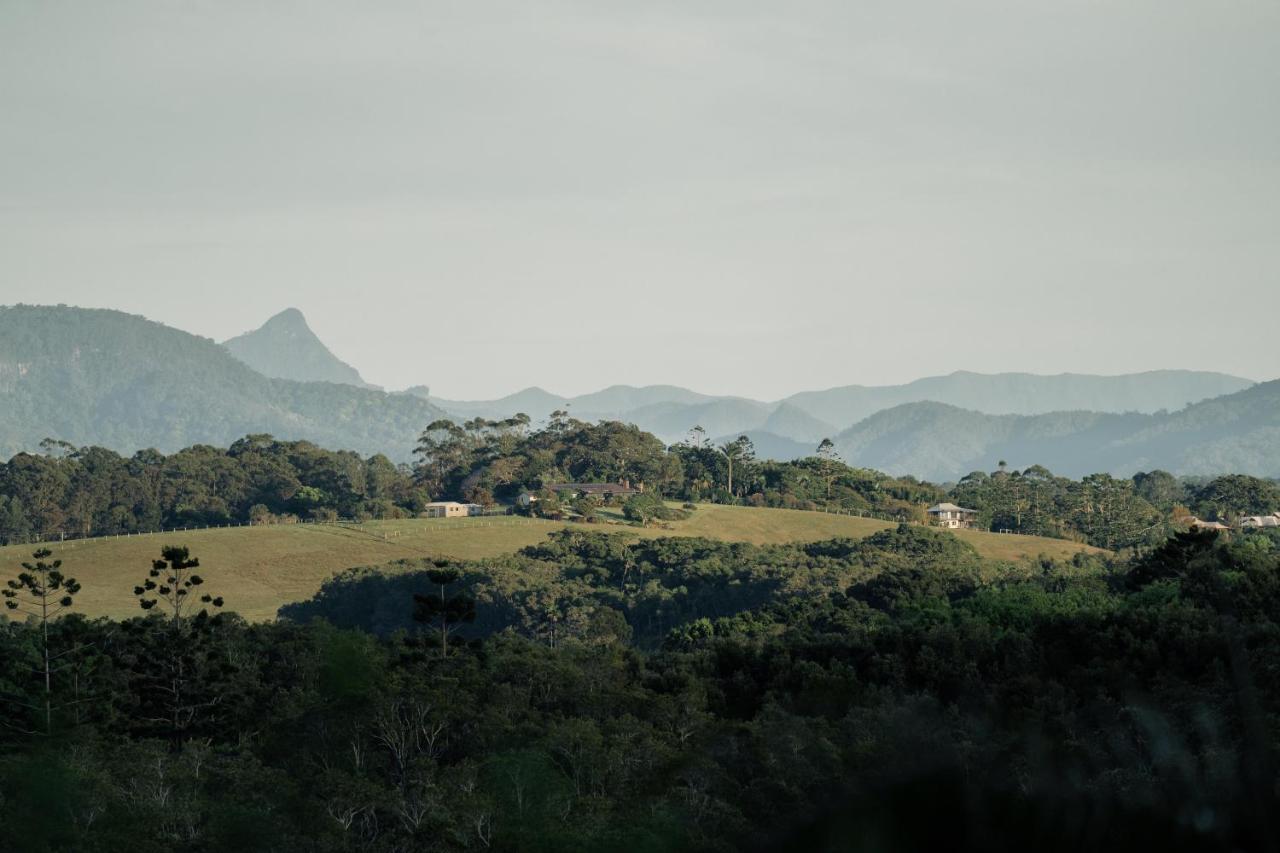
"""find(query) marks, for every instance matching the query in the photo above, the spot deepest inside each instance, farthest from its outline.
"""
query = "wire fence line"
(504, 518)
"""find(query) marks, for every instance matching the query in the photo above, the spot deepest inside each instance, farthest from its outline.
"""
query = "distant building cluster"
(1249, 522)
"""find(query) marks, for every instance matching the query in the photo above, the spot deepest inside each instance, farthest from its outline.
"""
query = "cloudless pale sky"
(739, 197)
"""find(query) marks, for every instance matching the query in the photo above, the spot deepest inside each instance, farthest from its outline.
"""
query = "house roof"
(949, 507)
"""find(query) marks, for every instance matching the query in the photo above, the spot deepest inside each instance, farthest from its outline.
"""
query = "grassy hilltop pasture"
(258, 569)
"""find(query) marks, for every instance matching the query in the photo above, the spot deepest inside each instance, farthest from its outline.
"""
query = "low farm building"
(450, 509)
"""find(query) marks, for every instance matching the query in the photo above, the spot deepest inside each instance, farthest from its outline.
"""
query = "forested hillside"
(1235, 433)
(595, 694)
(94, 377)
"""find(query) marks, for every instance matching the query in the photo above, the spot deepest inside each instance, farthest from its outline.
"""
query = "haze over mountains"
(1237, 432)
(90, 376)
(809, 416)
(284, 347)
(104, 377)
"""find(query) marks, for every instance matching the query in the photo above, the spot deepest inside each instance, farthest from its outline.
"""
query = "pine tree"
(172, 583)
(439, 608)
(183, 682)
(43, 592)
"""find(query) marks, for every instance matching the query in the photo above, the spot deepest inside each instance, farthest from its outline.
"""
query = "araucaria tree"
(172, 582)
(43, 592)
(440, 609)
(183, 682)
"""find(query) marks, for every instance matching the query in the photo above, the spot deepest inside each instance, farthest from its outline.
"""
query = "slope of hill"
(259, 569)
(1238, 432)
(667, 411)
(91, 376)
(534, 402)
(284, 347)
(770, 445)
(794, 422)
(618, 399)
(672, 421)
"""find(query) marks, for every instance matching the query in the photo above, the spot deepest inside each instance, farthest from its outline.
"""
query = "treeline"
(1107, 511)
(92, 491)
(599, 693)
(483, 461)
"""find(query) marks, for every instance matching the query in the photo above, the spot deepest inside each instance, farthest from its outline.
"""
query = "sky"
(739, 197)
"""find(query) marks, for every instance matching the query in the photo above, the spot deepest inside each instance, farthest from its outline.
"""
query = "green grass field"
(258, 569)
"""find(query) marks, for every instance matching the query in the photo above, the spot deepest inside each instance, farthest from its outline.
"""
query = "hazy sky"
(739, 197)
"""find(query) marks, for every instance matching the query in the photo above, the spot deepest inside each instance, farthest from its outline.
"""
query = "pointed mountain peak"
(289, 316)
(290, 321)
(285, 347)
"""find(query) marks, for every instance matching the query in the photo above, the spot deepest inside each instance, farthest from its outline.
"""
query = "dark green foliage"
(1106, 511)
(913, 565)
(1099, 509)
(1236, 495)
(439, 608)
(774, 699)
(646, 508)
(41, 593)
(95, 492)
(502, 458)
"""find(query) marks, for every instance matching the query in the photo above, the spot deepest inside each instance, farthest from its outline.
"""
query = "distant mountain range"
(284, 347)
(104, 377)
(121, 381)
(806, 418)
(1237, 432)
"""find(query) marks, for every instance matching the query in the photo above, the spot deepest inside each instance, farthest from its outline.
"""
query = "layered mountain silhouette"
(89, 376)
(670, 412)
(1024, 393)
(117, 380)
(284, 347)
(1237, 432)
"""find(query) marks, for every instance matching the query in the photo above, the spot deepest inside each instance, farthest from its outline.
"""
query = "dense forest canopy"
(597, 693)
